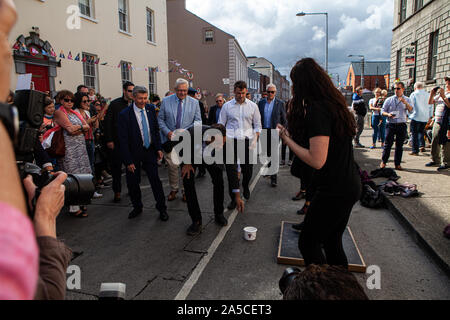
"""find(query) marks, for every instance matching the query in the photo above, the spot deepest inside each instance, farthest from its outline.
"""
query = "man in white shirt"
(242, 119)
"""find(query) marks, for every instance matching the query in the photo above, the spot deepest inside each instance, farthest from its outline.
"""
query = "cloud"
(272, 30)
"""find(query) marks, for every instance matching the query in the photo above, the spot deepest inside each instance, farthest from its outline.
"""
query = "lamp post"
(302, 14)
(362, 67)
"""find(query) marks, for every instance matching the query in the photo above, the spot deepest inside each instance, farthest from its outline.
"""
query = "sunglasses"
(271, 91)
(85, 101)
(68, 100)
(398, 88)
(130, 91)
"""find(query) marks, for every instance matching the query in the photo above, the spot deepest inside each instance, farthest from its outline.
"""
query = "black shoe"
(164, 216)
(232, 205)
(431, 164)
(221, 220)
(247, 193)
(298, 227)
(194, 229)
(117, 198)
(133, 214)
(303, 210)
(443, 167)
(273, 182)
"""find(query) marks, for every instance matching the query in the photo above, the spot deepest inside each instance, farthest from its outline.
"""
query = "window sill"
(88, 18)
(152, 43)
(430, 81)
(125, 33)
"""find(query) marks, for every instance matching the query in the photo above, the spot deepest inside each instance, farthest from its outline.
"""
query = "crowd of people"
(427, 113)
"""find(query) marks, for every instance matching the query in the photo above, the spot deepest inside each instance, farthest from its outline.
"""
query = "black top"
(339, 175)
(111, 118)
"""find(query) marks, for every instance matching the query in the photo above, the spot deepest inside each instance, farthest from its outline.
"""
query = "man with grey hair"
(178, 111)
(422, 113)
(273, 113)
(140, 147)
(214, 112)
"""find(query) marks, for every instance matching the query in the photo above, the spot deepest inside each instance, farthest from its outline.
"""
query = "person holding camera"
(319, 115)
(19, 253)
(76, 159)
(440, 153)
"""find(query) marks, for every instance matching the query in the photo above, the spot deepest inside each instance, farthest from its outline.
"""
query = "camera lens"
(79, 189)
(288, 277)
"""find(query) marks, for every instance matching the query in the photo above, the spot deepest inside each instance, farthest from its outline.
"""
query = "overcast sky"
(270, 29)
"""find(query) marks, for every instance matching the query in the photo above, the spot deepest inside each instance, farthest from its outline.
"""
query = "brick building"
(376, 75)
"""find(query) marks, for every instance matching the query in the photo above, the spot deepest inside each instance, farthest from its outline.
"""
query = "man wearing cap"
(178, 111)
(395, 109)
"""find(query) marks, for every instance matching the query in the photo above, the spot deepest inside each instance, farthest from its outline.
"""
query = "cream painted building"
(129, 36)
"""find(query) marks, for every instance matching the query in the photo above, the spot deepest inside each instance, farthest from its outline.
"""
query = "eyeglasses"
(68, 100)
(130, 91)
(398, 88)
(271, 92)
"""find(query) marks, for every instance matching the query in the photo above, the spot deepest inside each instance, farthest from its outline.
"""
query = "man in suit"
(214, 112)
(273, 112)
(112, 137)
(215, 170)
(178, 111)
(140, 147)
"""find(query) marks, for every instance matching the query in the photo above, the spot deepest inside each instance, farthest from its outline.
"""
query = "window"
(398, 64)
(418, 4)
(126, 71)
(209, 36)
(86, 8)
(123, 15)
(432, 55)
(152, 80)
(403, 4)
(150, 26)
(90, 71)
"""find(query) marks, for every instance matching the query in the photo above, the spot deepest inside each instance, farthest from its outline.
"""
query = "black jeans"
(216, 173)
(324, 225)
(398, 132)
(116, 168)
(246, 167)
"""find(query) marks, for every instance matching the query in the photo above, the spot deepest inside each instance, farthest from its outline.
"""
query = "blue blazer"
(278, 113)
(130, 138)
(167, 117)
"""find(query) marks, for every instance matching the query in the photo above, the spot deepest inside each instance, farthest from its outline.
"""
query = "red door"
(40, 77)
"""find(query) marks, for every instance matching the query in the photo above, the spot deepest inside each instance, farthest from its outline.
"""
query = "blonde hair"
(375, 91)
(384, 93)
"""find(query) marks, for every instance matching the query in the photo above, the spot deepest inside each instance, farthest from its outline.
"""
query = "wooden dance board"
(289, 254)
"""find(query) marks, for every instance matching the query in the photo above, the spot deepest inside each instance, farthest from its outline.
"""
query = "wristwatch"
(10, 119)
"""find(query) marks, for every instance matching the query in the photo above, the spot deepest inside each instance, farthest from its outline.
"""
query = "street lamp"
(302, 14)
(362, 67)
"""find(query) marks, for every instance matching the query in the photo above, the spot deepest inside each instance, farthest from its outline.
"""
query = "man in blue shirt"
(395, 109)
(272, 112)
(422, 113)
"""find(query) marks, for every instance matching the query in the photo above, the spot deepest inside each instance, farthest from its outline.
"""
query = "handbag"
(58, 146)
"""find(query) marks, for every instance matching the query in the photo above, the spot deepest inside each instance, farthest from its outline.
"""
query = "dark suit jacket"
(130, 138)
(111, 118)
(212, 115)
(278, 113)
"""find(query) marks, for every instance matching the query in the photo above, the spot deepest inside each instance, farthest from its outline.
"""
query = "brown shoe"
(399, 168)
(184, 197)
(172, 196)
(382, 165)
(422, 149)
(413, 154)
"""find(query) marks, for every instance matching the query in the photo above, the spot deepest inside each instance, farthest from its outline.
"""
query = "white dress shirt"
(138, 114)
(240, 120)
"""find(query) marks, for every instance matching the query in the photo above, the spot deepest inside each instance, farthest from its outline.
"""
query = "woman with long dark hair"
(319, 116)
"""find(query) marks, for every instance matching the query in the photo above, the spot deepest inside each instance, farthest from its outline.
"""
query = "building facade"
(213, 58)
(254, 84)
(99, 43)
(421, 42)
(376, 75)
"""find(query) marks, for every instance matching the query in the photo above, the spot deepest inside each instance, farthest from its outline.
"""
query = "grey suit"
(167, 120)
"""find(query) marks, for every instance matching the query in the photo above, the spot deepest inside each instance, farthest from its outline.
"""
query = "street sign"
(410, 56)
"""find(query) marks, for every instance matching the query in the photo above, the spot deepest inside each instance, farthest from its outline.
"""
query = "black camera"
(79, 188)
(288, 277)
(23, 121)
(436, 89)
